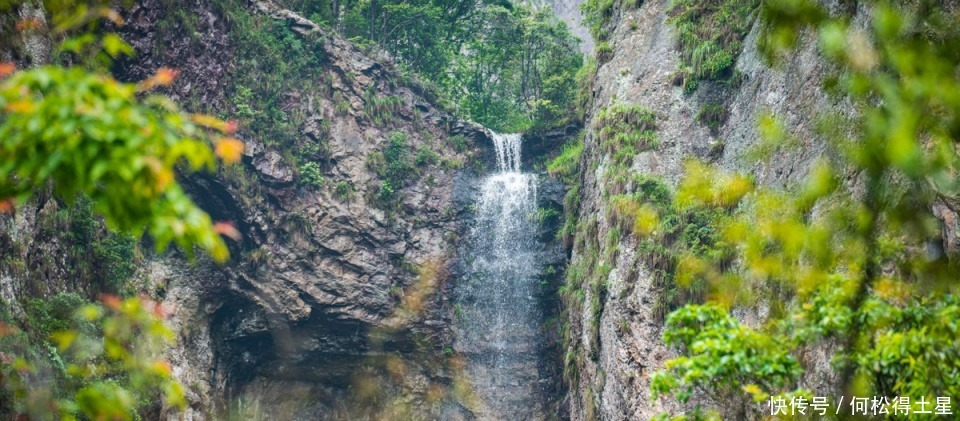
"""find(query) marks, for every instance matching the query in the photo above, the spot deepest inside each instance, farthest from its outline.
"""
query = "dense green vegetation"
(508, 67)
(566, 167)
(505, 65)
(666, 233)
(597, 15)
(270, 62)
(623, 130)
(713, 116)
(845, 249)
(710, 330)
(710, 36)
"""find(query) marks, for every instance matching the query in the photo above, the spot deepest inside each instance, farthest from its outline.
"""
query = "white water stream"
(500, 316)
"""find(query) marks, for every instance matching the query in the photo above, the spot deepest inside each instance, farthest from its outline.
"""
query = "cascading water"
(499, 317)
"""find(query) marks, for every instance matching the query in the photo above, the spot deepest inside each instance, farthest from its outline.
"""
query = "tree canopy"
(506, 65)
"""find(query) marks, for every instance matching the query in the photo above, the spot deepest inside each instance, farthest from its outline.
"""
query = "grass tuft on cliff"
(623, 130)
(710, 36)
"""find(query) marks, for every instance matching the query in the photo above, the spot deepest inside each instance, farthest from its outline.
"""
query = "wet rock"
(537, 145)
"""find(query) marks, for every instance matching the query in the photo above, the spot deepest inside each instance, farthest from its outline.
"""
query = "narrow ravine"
(499, 318)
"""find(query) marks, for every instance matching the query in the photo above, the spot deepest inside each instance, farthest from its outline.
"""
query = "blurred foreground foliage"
(93, 135)
(83, 132)
(856, 248)
(70, 128)
(102, 364)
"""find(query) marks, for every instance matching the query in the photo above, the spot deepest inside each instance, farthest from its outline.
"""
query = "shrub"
(268, 56)
(571, 207)
(123, 159)
(845, 263)
(566, 166)
(380, 110)
(597, 15)
(545, 216)
(586, 78)
(95, 362)
(397, 158)
(340, 104)
(343, 190)
(426, 156)
(648, 211)
(604, 52)
(394, 166)
(242, 99)
(311, 175)
(55, 314)
(710, 331)
(116, 255)
(311, 149)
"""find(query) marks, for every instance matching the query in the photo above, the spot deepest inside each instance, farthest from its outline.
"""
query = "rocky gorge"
(397, 261)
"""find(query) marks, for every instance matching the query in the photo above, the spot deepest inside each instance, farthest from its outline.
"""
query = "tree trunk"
(373, 19)
(336, 14)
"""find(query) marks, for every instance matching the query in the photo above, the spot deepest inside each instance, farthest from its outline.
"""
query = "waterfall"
(499, 316)
(508, 152)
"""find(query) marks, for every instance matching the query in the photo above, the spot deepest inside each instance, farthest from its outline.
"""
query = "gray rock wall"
(325, 286)
(641, 71)
(320, 289)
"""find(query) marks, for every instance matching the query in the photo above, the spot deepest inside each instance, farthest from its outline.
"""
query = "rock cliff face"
(336, 302)
(641, 70)
(328, 283)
